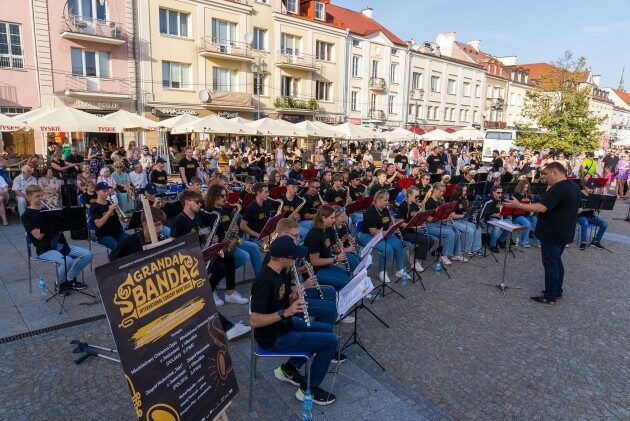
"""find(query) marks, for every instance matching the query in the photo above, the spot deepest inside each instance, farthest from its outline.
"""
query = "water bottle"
(307, 408)
(438, 266)
(404, 279)
(42, 287)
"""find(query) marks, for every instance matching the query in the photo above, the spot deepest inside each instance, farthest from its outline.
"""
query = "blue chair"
(400, 198)
(92, 239)
(31, 258)
(177, 188)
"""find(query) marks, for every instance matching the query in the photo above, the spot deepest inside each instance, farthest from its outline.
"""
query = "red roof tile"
(625, 96)
(360, 24)
(483, 59)
(540, 71)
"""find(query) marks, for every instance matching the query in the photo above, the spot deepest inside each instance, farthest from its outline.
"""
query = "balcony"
(497, 103)
(494, 124)
(83, 28)
(226, 100)
(283, 103)
(376, 115)
(211, 47)
(377, 84)
(98, 88)
(292, 59)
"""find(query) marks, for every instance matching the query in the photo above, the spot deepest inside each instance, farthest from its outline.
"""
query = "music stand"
(405, 183)
(442, 213)
(383, 286)
(510, 227)
(270, 226)
(434, 178)
(599, 202)
(136, 220)
(481, 177)
(359, 205)
(56, 221)
(414, 223)
(210, 253)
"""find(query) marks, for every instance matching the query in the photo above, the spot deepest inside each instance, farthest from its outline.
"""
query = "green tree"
(560, 109)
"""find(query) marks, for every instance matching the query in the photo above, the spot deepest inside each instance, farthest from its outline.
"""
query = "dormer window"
(319, 11)
(292, 6)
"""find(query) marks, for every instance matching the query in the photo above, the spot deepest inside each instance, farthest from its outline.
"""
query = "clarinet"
(340, 244)
(311, 273)
(300, 290)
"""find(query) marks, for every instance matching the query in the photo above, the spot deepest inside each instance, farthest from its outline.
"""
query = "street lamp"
(416, 97)
(259, 69)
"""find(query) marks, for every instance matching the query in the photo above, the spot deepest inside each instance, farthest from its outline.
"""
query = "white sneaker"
(237, 330)
(235, 298)
(384, 279)
(418, 266)
(347, 319)
(445, 260)
(402, 273)
(460, 259)
(217, 300)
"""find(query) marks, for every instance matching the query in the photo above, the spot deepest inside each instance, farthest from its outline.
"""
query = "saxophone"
(232, 232)
(213, 231)
(281, 202)
(426, 197)
(300, 290)
(264, 247)
(297, 210)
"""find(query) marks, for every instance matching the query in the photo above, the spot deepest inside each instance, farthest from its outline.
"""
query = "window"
(429, 112)
(393, 68)
(289, 86)
(356, 42)
(477, 91)
(450, 86)
(488, 91)
(319, 11)
(417, 80)
(466, 89)
(259, 84)
(292, 6)
(175, 75)
(356, 63)
(289, 44)
(462, 115)
(92, 9)
(258, 43)
(89, 63)
(11, 54)
(435, 84)
(11, 111)
(223, 79)
(390, 104)
(375, 68)
(173, 23)
(323, 51)
(322, 90)
(373, 102)
(394, 51)
(354, 101)
(223, 32)
(475, 116)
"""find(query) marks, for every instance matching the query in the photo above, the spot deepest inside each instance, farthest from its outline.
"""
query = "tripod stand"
(383, 287)
(355, 339)
(442, 213)
(510, 227)
(415, 223)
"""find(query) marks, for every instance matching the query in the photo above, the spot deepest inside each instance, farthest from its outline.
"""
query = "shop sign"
(227, 114)
(356, 121)
(89, 105)
(329, 118)
(292, 118)
(173, 111)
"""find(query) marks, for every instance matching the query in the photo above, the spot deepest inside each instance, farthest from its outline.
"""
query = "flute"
(300, 290)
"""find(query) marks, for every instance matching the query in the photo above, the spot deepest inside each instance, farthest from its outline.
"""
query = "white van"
(500, 140)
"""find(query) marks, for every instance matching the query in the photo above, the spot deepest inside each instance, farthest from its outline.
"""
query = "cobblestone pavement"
(457, 350)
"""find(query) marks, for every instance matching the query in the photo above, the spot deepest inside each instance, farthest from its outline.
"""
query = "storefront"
(331, 118)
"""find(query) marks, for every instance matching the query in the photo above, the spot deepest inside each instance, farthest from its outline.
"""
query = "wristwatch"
(281, 314)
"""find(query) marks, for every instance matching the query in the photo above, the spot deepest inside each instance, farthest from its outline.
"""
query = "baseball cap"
(591, 185)
(151, 188)
(285, 247)
(354, 175)
(292, 182)
(102, 186)
(160, 160)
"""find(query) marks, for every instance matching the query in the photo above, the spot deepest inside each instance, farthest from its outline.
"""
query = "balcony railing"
(377, 84)
(217, 47)
(81, 86)
(90, 29)
(294, 59)
(494, 124)
(228, 99)
(378, 115)
(11, 62)
(497, 103)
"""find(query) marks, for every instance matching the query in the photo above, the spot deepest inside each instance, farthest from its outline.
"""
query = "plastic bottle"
(438, 266)
(42, 287)
(307, 408)
(404, 279)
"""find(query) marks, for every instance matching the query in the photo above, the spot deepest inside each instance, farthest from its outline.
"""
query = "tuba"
(232, 232)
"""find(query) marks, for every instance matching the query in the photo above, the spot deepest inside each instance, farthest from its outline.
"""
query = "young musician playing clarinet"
(497, 235)
(587, 216)
(274, 303)
(424, 242)
(469, 231)
(346, 239)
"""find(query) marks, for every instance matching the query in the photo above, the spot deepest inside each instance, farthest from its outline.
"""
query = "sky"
(533, 30)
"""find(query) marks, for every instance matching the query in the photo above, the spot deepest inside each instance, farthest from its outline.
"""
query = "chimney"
(368, 11)
(476, 44)
(445, 42)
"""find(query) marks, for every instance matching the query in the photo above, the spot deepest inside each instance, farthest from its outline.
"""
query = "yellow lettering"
(146, 271)
(138, 295)
(152, 291)
(173, 277)
(162, 283)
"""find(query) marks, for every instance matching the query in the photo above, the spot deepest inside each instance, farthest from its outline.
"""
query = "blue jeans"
(112, 242)
(527, 223)
(305, 227)
(471, 235)
(76, 260)
(554, 269)
(497, 234)
(597, 221)
(393, 247)
(354, 218)
(451, 244)
(319, 339)
(353, 260)
(324, 311)
(332, 275)
(251, 251)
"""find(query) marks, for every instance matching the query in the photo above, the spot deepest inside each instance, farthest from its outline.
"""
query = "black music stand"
(270, 226)
(414, 223)
(441, 214)
(56, 221)
(483, 215)
(600, 202)
(511, 227)
(383, 286)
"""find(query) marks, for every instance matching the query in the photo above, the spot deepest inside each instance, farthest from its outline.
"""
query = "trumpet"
(446, 178)
(46, 205)
(121, 215)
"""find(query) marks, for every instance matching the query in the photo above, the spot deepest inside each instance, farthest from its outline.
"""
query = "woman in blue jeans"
(378, 217)
(470, 232)
(526, 219)
(319, 241)
(451, 238)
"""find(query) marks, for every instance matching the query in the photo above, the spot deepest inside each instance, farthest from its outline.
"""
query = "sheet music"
(506, 224)
(365, 263)
(368, 247)
(354, 291)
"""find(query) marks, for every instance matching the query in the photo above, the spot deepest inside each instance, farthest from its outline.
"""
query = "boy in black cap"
(273, 305)
(107, 226)
(290, 198)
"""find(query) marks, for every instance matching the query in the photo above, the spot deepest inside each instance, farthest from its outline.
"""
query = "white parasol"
(351, 131)
(437, 134)
(468, 134)
(127, 121)
(68, 119)
(399, 134)
(178, 120)
(312, 129)
(215, 125)
(269, 127)
(7, 124)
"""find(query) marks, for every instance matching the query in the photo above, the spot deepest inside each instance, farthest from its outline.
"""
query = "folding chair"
(31, 258)
(92, 241)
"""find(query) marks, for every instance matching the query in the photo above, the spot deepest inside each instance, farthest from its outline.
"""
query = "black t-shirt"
(376, 186)
(74, 159)
(319, 241)
(557, 224)
(401, 159)
(242, 172)
(433, 162)
(375, 219)
(159, 177)
(311, 205)
(583, 203)
(344, 234)
(461, 207)
(256, 215)
(182, 224)
(224, 223)
(60, 162)
(406, 212)
(492, 208)
(497, 164)
(190, 167)
(270, 293)
(431, 203)
(296, 174)
(290, 205)
(335, 196)
(89, 199)
(111, 227)
(31, 220)
(357, 192)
